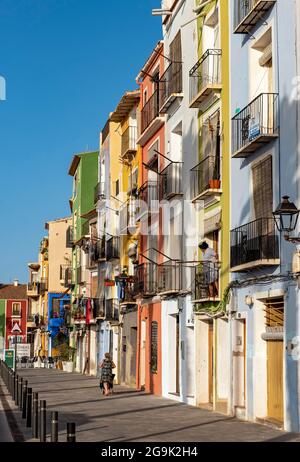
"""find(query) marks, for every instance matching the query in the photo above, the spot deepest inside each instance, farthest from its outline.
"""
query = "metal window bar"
(169, 277)
(150, 111)
(129, 138)
(206, 175)
(260, 118)
(113, 248)
(170, 82)
(254, 241)
(206, 72)
(112, 310)
(171, 180)
(206, 280)
(70, 238)
(248, 12)
(148, 198)
(145, 279)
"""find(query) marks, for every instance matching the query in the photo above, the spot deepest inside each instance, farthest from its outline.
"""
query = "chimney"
(16, 282)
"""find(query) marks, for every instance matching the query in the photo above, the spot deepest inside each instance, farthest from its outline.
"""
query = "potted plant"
(215, 182)
(66, 353)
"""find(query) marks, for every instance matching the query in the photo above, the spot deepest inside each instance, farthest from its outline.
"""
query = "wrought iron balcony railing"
(169, 277)
(44, 285)
(70, 237)
(129, 139)
(66, 275)
(33, 289)
(254, 244)
(80, 275)
(255, 125)
(148, 197)
(206, 281)
(113, 248)
(150, 111)
(170, 86)
(99, 193)
(205, 178)
(247, 13)
(145, 279)
(98, 308)
(171, 180)
(112, 310)
(205, 77)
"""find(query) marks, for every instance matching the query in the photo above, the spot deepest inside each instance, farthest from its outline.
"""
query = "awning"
(213, 223)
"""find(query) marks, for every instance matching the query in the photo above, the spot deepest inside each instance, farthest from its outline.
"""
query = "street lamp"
(286, 218)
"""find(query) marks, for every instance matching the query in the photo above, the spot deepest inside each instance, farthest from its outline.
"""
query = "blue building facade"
(264, 307)
(57, 316)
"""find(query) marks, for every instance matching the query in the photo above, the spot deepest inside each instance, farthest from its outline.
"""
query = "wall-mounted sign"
(23, 349)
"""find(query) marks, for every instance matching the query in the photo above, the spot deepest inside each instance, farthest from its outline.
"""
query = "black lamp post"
(286, 218)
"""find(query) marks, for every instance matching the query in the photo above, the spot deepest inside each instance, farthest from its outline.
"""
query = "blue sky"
(66, 64)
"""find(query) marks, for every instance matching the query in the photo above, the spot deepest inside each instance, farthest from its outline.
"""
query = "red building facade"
(15, 296)
(152, 142)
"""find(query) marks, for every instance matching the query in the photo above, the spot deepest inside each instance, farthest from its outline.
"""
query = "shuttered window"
(262, 179)
(210, 136)
(175, 49)
(154, 347)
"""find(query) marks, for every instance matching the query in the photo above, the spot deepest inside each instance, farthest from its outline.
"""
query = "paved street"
(133, 416)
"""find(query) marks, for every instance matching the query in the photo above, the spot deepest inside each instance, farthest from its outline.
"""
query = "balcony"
(66, 276)
(205, 77)
(171, 180)
(206, 286)
(113, 248)
(33, 289)
(256, 125)
(100, 253)
(150, 119)
(169, 278)
(99, 192)
(254, 245)
(148, 198)
(129, 139)
(79, 315)
(205, 179)
(247, 13)
(170, 86)
(112, 310)
(145, 280)
(80, 275)
(44, 285)
(70, 237)
(127, 217)
(98, 308)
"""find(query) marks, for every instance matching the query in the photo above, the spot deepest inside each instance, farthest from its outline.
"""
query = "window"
(16, 309)
(263, 188)
(154, 347)
(56, 308)
(117, 188)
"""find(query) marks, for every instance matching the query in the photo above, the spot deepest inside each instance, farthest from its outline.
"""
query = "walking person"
(107, 376)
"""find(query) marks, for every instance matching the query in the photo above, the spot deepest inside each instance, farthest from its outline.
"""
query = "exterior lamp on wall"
(286, 218)
(249, 300)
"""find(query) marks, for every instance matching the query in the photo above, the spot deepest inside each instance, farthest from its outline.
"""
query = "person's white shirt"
(209, 255)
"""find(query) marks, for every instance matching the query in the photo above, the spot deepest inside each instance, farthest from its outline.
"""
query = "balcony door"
(262, 182)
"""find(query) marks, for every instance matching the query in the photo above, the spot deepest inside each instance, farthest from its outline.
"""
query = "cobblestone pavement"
(131, 416)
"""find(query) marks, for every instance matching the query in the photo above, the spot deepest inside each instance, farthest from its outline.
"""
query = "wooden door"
(143, 355)
(211, 362)
(275, 379)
